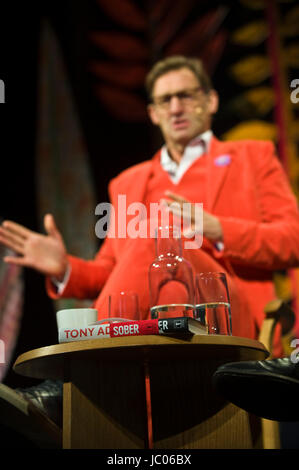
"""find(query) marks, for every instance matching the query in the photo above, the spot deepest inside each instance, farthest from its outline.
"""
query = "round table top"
(49, 361)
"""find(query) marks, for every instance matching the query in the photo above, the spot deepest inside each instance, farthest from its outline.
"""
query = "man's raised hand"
(45, 253)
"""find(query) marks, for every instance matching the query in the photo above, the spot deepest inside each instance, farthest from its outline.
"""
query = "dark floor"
(289, 435)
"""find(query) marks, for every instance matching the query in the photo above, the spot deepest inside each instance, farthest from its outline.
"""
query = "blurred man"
(250, 219)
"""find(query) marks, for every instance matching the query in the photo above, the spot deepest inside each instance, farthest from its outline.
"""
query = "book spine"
(142, 327)
(131, 328)
(66, 335)
(174, 325)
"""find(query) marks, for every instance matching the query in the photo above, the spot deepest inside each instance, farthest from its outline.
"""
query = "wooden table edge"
(146, 341)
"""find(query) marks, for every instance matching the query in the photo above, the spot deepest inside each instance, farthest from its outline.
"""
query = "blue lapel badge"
(222, 160)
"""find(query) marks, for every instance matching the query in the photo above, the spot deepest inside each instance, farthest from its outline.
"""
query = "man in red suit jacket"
(250, 219)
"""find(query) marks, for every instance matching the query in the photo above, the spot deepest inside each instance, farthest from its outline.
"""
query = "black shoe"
(26, 420)
(268, 389)
(47, 396)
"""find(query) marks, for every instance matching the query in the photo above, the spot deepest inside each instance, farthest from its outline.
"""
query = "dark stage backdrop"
(75, 108)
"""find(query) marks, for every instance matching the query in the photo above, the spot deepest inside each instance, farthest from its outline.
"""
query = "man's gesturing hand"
(211, 225)
(45, 253)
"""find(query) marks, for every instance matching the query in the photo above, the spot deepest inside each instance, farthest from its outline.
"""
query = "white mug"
(76, 317)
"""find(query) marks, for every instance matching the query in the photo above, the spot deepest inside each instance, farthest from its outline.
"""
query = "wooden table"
(147, 391)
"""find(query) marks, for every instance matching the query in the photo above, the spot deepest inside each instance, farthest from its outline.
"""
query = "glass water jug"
(171, 277)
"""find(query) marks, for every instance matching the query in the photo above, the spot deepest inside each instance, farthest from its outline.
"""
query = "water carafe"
(170, 277)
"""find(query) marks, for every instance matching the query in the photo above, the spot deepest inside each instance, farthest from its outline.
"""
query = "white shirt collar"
(194, 150)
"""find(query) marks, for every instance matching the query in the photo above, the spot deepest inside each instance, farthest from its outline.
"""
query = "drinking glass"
(123, 306)
(212, 303)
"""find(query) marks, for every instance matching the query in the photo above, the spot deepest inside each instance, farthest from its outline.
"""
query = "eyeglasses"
(185, 97)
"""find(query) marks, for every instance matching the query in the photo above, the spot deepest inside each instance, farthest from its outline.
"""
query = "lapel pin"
(222, 160)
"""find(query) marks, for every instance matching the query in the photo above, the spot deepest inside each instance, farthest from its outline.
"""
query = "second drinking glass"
(212, 303)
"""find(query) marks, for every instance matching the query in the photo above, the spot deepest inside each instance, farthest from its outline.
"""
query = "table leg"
(104, 406)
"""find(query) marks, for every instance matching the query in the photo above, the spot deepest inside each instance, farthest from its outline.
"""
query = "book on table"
(112, 328)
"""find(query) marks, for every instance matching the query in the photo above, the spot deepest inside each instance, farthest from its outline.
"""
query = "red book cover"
(134, 328)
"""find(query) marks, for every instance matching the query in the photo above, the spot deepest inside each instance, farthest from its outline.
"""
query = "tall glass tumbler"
(123, 306)
(212, 300)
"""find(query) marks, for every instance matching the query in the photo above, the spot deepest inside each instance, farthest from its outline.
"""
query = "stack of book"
(114, 329)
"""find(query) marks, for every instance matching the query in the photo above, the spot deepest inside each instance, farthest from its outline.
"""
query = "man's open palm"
(45, 253)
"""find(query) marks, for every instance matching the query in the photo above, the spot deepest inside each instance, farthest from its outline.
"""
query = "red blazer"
(249, 192)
